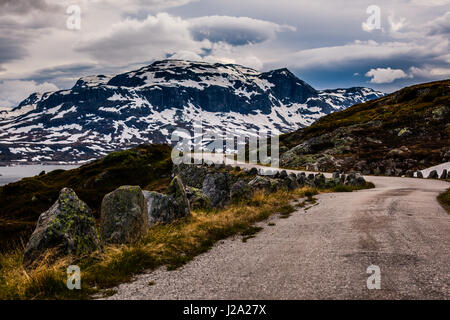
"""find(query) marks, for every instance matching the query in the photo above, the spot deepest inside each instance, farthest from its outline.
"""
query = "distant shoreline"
(46, 163)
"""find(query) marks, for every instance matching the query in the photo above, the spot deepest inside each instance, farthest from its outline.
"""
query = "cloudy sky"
(329, 44)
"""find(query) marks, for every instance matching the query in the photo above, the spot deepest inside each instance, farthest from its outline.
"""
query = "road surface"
(324, 252)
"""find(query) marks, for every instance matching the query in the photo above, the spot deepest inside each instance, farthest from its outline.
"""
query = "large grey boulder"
(68, 228)
(301, 179)
(291, 182)
(433, 175)
(283, 174)
(356, 180)
(197, 199)
(216, 187)
(261, 183)
(165, 208)
(124, 215)
(241, 191)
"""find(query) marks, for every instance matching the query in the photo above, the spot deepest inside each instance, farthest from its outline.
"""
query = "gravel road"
(324, 252)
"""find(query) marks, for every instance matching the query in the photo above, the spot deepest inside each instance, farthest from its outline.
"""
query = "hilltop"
(406, 130)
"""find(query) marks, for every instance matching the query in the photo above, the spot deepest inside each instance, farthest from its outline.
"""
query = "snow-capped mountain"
(105, 113)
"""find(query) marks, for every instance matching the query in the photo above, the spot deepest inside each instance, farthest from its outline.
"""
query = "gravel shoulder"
(323, 252)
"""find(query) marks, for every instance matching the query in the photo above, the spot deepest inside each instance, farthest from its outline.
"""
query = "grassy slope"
(22, 202)
(415, 107)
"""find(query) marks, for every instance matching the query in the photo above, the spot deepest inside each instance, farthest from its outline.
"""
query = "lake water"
(16, 173)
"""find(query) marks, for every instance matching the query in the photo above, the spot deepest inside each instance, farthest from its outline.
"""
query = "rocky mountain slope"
(404, 131)
(101, 113)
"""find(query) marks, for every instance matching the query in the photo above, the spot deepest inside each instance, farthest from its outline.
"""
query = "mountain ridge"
(101, 114)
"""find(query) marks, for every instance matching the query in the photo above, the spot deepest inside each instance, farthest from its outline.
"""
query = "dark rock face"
(124, 215)
(68, 228)
(191, 175)
(241, 191)
(433, 175)
(301, 179)
(216, 188)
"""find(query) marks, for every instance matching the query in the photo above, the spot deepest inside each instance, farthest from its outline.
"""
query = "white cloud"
(163, 34)
(396, 25)
(385, 75)
(14, 91)
(132, 40)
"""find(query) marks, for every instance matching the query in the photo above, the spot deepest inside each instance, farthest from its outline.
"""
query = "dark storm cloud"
(24, 6)
(64, 71)
(11, 49)
(440, 26)
(236, 31)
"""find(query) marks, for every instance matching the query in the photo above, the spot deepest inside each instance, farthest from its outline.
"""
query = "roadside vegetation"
(171, 245)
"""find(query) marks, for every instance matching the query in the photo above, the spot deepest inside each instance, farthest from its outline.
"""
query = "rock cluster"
(69, 228)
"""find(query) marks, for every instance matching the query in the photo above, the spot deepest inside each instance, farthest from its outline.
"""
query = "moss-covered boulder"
(176, 191)
(124, 215)
(197, 199)
(67, 228)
